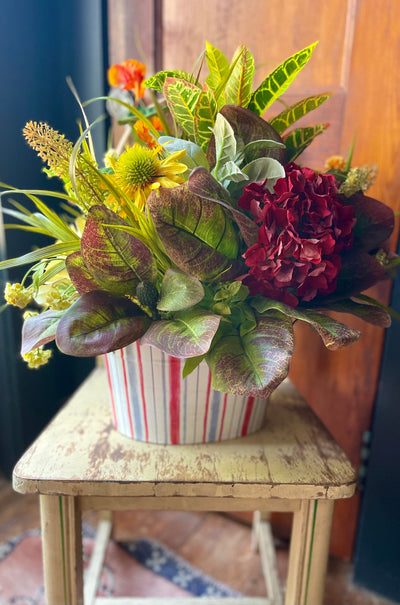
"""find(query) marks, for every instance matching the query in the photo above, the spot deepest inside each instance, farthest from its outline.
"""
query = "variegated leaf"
(204, 117)
(278, 81)
(218, 66)
(182, 98)
(334, 334)
(291, 114)
(298, 140)
(256, 363)
(157, 81)
(189, 334)
(239, 85)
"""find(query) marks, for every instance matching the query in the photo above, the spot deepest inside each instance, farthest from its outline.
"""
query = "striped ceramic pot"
(150, 400)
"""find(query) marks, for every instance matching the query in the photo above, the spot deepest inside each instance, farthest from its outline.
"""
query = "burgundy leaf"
(80, 274)
(39, 329)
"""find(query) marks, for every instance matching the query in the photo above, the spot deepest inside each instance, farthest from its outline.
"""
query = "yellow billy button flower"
(139, 170)
(335, 162)
(17, 295)
(37, 357)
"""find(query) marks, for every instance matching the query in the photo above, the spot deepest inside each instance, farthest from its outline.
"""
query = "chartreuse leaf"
(218, 66)
(198, 235)
(39, 329)
(278, 81)
(194, 156)
(293, 113)
(334, 334)
(179, 291)
(238, 88)
(53, 251)
(191, 364)
(298, 140)
(99, 322)
(204, 117)
(115, 259)
(157, 81)
(189, 334)
(181, 99)
(256, 363)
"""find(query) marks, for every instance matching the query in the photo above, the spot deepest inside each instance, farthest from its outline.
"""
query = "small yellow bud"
(335, 162)
(17, 295)
(37, 357)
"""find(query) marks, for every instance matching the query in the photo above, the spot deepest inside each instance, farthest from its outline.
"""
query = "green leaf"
(298, 140)
(189, 334)
(198, 235)
(117, 260)
(179, 291)
(99, 322)
(293, 113)
(157, 81)
(231, 172)
(48, 252)
(195, 156)
(225, 143)
(258, 149)
(334, 334)
(218, 66)
(204, 185)
(279, 80)
(191, 363)
(239, 86)
(373, 313)
(204, 117)
(264, 168)
(256, 363)
(40, 329)
(181, 99)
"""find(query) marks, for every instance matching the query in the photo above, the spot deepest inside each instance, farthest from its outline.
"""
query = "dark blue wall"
(41, 43)
(377, 557)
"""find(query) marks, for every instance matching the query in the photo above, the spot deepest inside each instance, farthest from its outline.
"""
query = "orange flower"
(143, 132)
(128, 75)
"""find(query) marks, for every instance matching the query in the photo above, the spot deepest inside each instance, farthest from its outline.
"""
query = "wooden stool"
(79, 463)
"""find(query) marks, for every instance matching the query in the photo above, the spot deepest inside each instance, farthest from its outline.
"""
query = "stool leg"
(309, 552)
(62, 550)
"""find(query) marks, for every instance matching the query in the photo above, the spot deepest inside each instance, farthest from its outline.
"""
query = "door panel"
(355, 58)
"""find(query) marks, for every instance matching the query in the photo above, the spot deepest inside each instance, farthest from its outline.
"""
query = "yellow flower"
(37, 357)
(140, 170)
(17, 295)
(335, 162)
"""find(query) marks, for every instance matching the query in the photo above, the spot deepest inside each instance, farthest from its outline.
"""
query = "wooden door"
(357, 58)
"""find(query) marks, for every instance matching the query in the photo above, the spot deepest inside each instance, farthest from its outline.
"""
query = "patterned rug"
(142, 568)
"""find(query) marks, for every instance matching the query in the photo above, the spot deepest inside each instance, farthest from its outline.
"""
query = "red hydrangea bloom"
(303, 229)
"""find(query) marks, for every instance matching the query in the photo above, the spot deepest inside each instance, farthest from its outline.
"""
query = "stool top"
(79, 453)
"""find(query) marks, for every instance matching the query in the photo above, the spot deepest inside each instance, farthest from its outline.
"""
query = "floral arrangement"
(201, 234)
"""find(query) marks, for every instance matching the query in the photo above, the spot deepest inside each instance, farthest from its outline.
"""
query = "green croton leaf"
(291, 114)
(279, 80)
(115, 259)
(157, 81)
(334, 334)
(256, 363)
(238, 89)
(218, 66)
(99, 322)
(179, 291)
(298, 140)
(198, 235)
(181, 99)
(204, 117)
(189, 334)
(39, 329)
